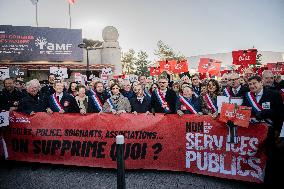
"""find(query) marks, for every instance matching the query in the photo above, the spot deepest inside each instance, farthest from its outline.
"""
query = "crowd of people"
(187, 95)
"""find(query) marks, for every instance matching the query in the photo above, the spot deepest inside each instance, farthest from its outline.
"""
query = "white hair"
(33, 83)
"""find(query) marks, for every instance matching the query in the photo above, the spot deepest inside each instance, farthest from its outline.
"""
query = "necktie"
(58, 98)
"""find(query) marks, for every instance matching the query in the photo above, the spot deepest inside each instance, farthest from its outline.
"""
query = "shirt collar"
(260, 93)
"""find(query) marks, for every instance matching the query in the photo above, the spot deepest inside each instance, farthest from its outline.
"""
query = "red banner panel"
(276, 68)
(155, 71)
(244, 57)
(209, 65)
(188, 143)
(180, 67)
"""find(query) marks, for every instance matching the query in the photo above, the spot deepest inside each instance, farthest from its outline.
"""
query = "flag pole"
(69, 16)
(36, 15)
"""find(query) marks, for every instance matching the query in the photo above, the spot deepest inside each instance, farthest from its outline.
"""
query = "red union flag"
(276, 68)
(209, 65)
(181, 67)
(155, 71)
(244, 57)
(71, 1)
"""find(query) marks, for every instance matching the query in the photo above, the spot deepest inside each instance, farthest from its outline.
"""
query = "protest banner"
(239, 115)
(155, 71)
(4, 73)
(59, 72)
(276, 68)
(245, 58)
(188, 143)
(4, 118)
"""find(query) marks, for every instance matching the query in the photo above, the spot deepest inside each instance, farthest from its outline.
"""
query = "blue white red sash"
(252, 100)
(147, 94)
(109, 101)
(162, 99)
(227, 92)
(96, 101)
(255, 106)
(210, 103)
(187, 104)
(195, 94)
(56, 102)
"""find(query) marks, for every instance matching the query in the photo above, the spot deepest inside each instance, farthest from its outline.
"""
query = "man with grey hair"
(235, 89)
(35, 101)
(268, 79)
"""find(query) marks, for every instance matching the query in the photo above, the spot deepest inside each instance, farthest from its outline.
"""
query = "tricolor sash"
(255, 106)
(96, 101)
(161, 99)
(187, 104)
(56, 103)
(227, 92)
(147, 94)
(210, 103)
(195, 94)
(109, 101)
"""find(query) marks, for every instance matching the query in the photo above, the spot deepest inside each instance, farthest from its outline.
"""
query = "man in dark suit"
(100, 93)
(267, 105)
(236, 89)
(140, 103)
(10, 95)
(61, 101)
(34, 101)
(196, 85)
(48, 89)
(163, 99)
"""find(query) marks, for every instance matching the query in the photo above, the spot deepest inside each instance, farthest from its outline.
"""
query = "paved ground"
(15, 175)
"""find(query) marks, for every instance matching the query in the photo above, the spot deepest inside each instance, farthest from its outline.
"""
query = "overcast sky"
(193, 27)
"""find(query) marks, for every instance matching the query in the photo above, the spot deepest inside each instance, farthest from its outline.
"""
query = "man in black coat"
(62, 102)
(10, 95)
(100, 93)
(34, 101)
(140, 103)
(267, 105)
(48, 89)
(163, 99)
(196, 85)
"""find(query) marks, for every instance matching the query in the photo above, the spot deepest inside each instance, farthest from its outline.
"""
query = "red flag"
(167, 65)
(181, 67)
(276, 68)
(244, 57)
(155, 71)
(71, 1)
(209, 65)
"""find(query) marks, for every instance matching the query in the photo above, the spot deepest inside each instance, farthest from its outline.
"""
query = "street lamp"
(84, 46)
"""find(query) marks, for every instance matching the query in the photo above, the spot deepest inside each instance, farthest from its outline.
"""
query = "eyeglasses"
(234, 79)
(194, 79)
(162, 82)
(114, 88)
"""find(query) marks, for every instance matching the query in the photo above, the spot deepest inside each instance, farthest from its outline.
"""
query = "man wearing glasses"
(163, 99)
(236, 89)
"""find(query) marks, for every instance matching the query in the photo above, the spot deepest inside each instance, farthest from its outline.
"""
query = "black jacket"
(241, 93)
(171, 99)
(10, 98)
(47, 90)
(139, 107)
(102, 96)
(31, 103)
(68, 103)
